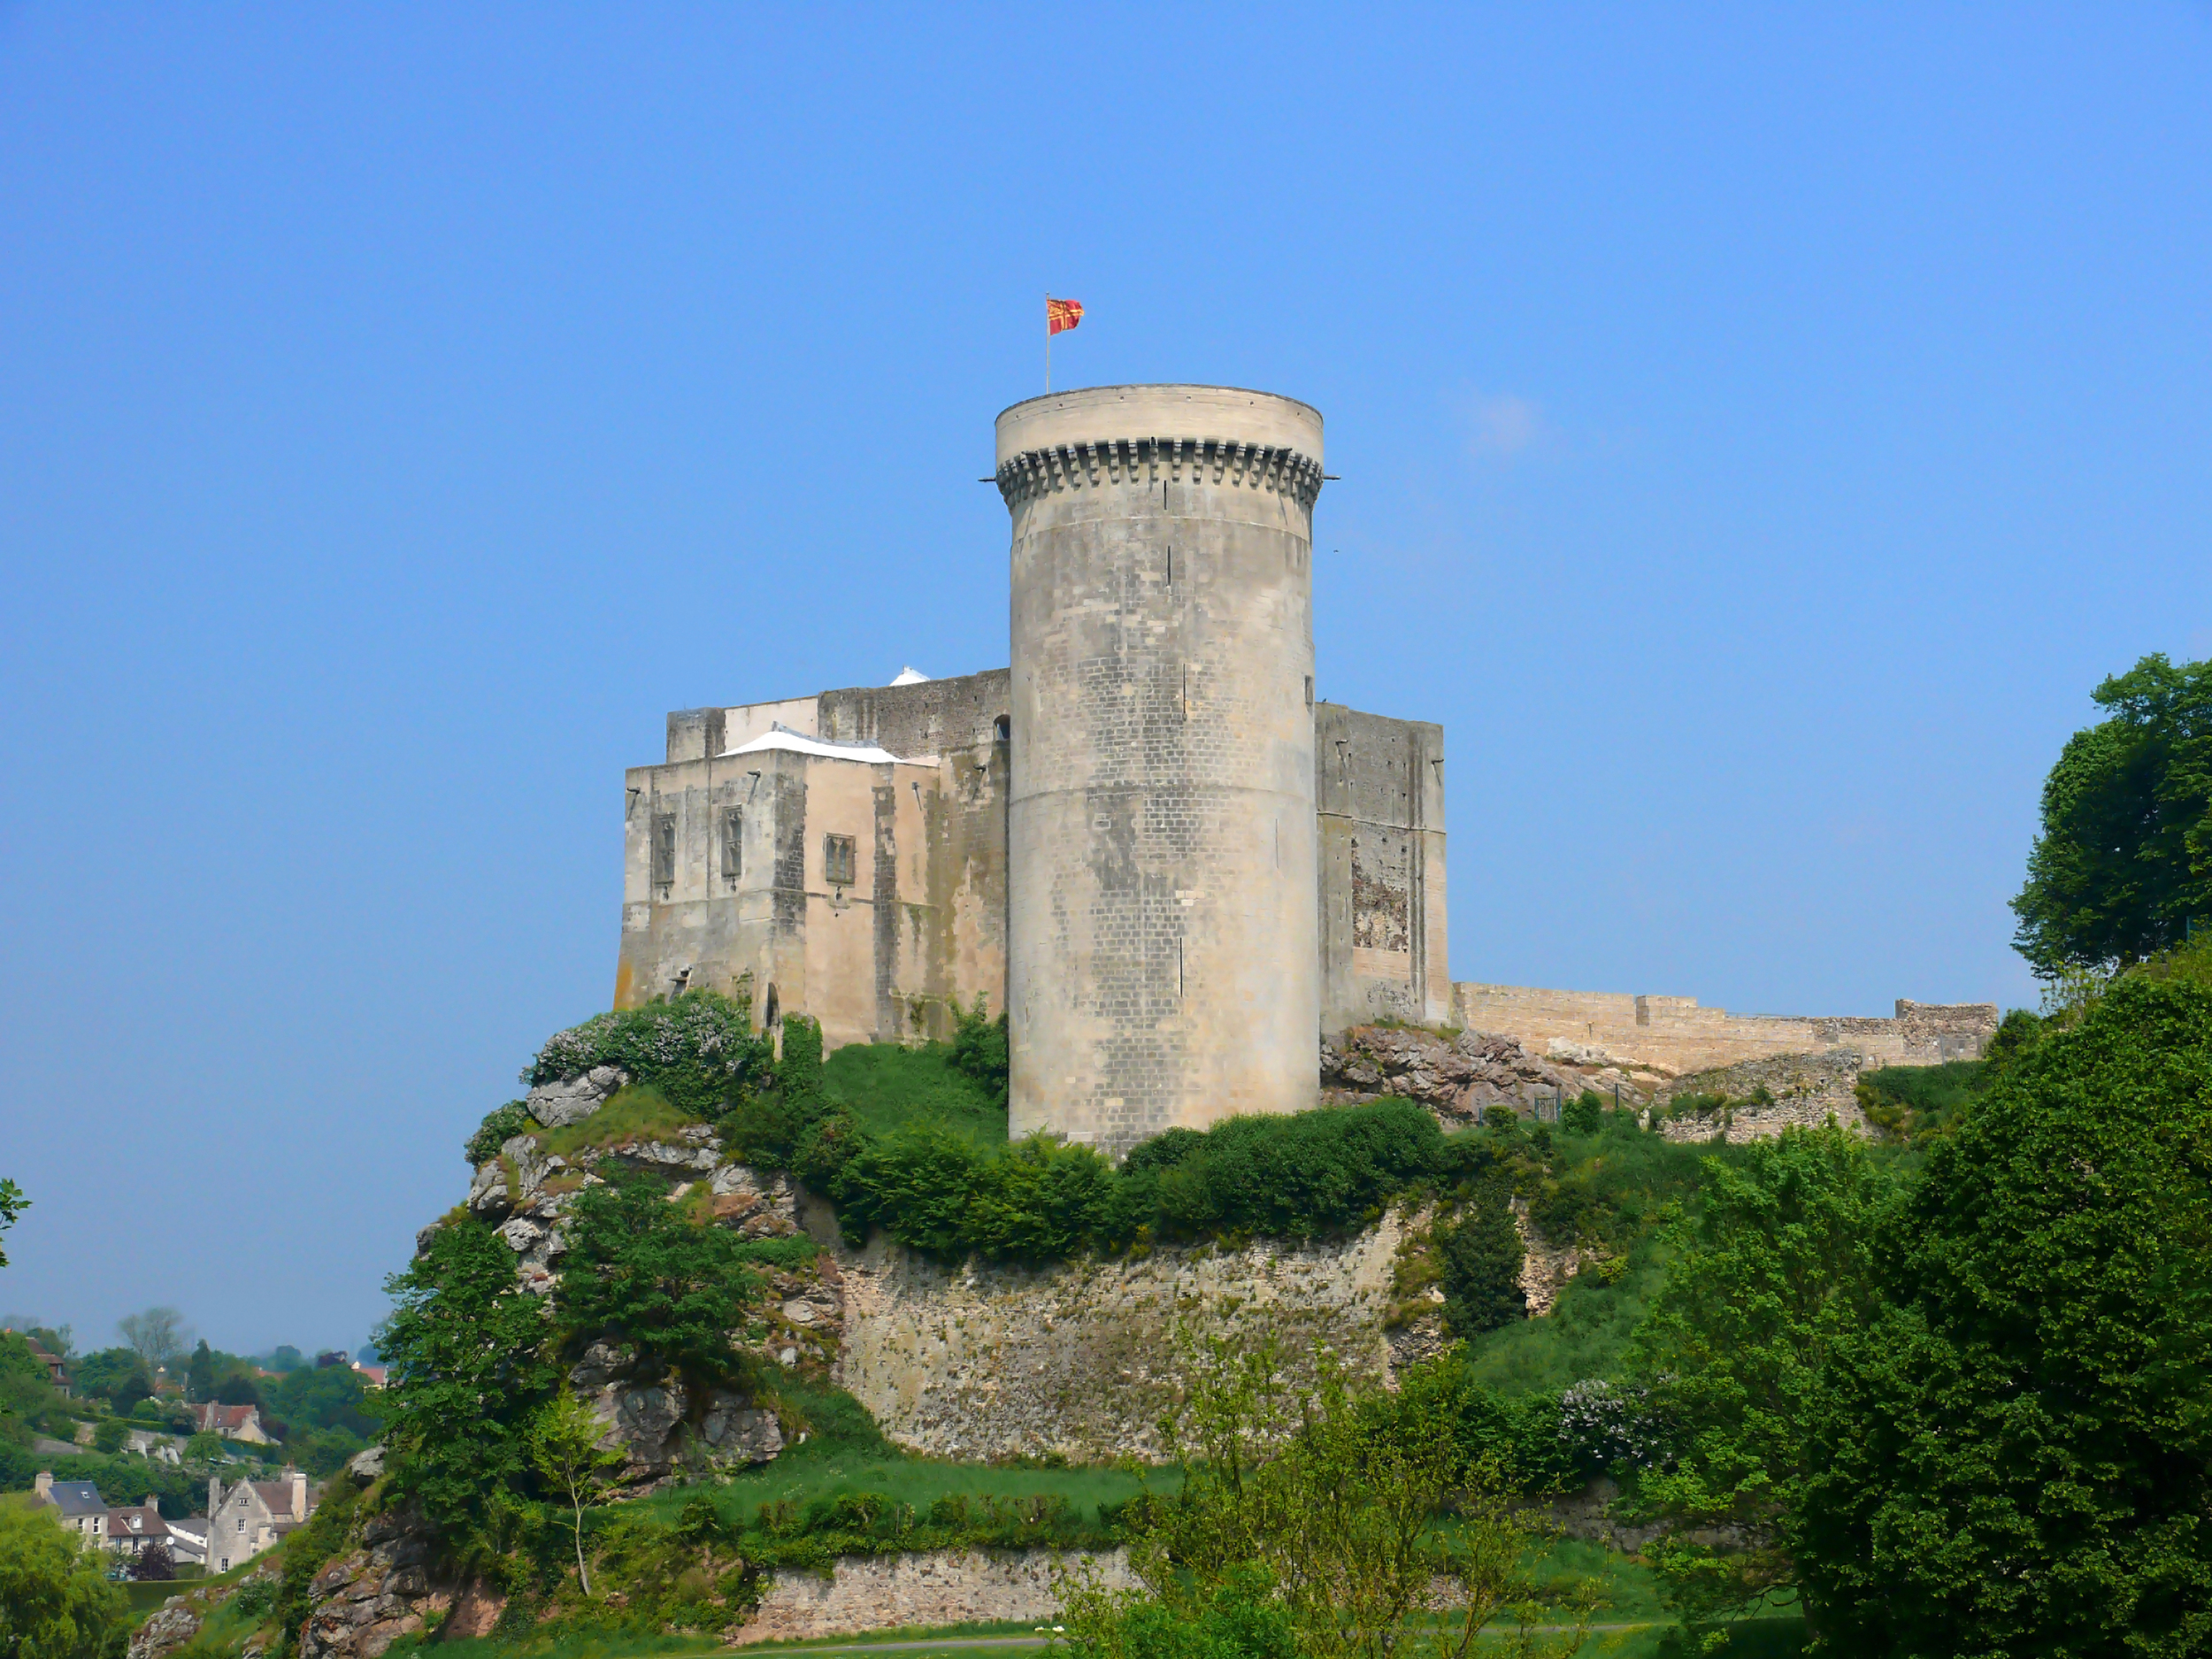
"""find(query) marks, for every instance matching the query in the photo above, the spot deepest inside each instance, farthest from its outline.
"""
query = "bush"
(700, 1050)
(979, 1048)
(1584, 1114)
(501, 1124)
(1482, 1257)
(110, 1434)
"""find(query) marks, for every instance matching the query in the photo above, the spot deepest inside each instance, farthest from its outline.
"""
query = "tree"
(1481, 1258)
(203, 1446)
(2016, 1456)
(54, 1604)
(649, 1274)
(565, 1450)
(2123, 864)
(1306, 1522)
(1772, 1272)
(158, 1337)
(199, 1377)
(114, 1374)
(154, 1564)
(465, 1348)
(12, 1204)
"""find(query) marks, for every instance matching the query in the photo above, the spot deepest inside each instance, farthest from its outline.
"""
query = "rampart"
(1672, 1034)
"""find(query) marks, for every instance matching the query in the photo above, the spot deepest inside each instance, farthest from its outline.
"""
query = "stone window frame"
(841, 860)
(732, 843)
(663, 851)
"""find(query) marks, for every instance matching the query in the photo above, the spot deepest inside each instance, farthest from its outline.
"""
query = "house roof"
(278, 1495)
(76, 1497)
(193, 1526)
(781, 736)
(219, 1417)
(143, 1522)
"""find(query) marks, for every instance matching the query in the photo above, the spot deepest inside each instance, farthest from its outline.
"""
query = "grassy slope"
(887, 1086)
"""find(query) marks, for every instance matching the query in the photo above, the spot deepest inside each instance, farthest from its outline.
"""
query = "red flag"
(1060, 315)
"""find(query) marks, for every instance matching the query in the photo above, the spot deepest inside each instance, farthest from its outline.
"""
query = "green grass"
(1585, 1335)
(887, 1086)
(640, 1112)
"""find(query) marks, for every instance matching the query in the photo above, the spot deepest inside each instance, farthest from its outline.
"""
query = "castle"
(1146, 840)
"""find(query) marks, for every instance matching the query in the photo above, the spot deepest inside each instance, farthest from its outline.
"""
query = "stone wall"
(872, 1593)
(1672, 1034)
(1379, 791)
(982, 1361)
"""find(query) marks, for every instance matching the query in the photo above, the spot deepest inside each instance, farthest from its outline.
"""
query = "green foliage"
(501, 1124)
(789, 1254)
(324, 1397)
(700, 1050)
(637, 1112)
(887, 1088)
(979, 1049)
(1584, 1114)
(116, 1375)
(649, 1276)
(108, 1434)
(1318, 1503)
(1911, 1103)
(1771, 1272)
(1037, 1200)
(54, 1604)
(12, 1204)
(464, 1348)
(2016, 1455)
(566, 1451)
(1481, 1254)
(2124, 859)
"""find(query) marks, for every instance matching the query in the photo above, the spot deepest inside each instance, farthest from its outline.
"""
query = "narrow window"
(1308, 691)
(663, 850)
(838, 860)
(732, 843)
(1002, 730)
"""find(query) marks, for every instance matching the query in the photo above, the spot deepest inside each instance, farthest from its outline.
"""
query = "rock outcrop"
(870, 1592)
(574, 1098)
(652, 1422)
(1457, 1077)
(366, 1598)
(1765, 1097)
(167, 1628)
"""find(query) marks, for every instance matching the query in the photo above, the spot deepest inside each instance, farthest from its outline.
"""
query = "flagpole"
(1048, 342)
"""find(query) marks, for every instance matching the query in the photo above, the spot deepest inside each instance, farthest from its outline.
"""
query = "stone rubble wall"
(1808, 1090)
(1674, 1035)
(870, 1593)
(1080, 1359)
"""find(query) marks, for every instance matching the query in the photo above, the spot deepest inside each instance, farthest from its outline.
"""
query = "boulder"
(574, 1098)
(364, 1469)
(733, 1431)
(168, 1628)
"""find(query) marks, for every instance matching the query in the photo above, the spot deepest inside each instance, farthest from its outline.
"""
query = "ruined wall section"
(1673, 1034)
(986, 1360)
(1379, 791)
(920, 721)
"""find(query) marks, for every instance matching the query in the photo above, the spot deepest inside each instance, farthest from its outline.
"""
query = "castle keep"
(1146, 840)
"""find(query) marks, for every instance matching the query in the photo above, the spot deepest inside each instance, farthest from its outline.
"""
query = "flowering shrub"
(700, 1050)
(1604, 1424)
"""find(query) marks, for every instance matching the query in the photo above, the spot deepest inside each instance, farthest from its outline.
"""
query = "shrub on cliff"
(979, 1048)
(653, 1277)
(700, 1050)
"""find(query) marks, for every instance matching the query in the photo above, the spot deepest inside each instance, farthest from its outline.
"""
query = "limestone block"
(867, 1592)
(574, 1098)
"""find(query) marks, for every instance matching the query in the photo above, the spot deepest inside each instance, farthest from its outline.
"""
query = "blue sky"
(1759, 428)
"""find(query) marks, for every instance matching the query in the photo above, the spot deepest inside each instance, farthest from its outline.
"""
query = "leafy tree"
(1772, 1271)
(980, 1046)
(158, 1337)
(203, 1446)
(199, 1377)
(54, 1604)
(1481, 1258)
(116, 1375)
(108, 1435)
(565, 1450)
(2016, 1456)
(285, 1357)
(319, 1397)
(2123, 862)
(1310, 1512)
(465, 1346)
(642, 1271)
(12, 1204)
(154, 1564)
(1584, 1114)
(241, 1388)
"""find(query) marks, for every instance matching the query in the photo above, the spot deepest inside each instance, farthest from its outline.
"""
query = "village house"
(188, 1539)
(133, 1531)
(233, 1423)
(83, 1511)
(249, 1515)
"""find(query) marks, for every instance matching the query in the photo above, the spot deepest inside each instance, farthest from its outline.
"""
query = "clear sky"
(1760, 427)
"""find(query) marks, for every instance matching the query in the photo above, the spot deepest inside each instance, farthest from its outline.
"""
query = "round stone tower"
(1162, 959)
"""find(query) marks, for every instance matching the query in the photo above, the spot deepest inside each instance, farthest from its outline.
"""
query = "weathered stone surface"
(1803, 1089)
(166, 1629)
(368, 1597)
(1456, 1078)
(576, 1098)
(867, 1592)
(649, 1420)
(365, 1467)
(735, 1431)
(991, 1361)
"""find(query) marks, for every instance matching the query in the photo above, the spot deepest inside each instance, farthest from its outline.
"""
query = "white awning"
(782, 737)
